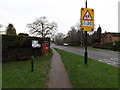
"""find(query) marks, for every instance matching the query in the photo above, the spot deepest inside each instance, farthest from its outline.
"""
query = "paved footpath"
(58, 77)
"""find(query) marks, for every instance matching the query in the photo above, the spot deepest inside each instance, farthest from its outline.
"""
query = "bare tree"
(59, 38)
(72, 36)
(41, 27)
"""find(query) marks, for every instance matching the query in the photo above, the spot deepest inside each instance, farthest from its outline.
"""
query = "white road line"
(112, 59)
(100, 60)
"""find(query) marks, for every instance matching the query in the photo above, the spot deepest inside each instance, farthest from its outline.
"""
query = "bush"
(19, 47)
(12, 41)
(105, 45)
(117, 43)
(23, 34)
(96, 45)
(12, 45)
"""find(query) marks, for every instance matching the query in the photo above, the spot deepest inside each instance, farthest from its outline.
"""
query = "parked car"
(65, 44)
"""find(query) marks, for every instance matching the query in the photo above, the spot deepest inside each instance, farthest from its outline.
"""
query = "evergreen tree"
(10, 29)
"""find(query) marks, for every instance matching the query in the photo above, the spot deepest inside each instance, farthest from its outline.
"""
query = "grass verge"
(19, 75)
(93, 75)
(99, 49)
(92, 48)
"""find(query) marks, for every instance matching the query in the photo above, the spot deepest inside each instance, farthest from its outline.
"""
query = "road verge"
(93, 75)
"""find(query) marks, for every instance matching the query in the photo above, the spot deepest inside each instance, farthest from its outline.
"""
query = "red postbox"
(46, 47)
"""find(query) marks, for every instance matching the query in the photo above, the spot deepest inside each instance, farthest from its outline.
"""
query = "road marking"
(100, 60)
(112, 59)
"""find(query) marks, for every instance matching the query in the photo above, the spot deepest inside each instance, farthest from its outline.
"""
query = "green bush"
(96, 45)
(12, 41)
(12, 45)
(117, 43)
(19, 46)
(105, 45)
(23, 34)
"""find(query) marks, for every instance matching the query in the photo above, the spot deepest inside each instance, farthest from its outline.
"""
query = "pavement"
(108, 57)
(58, 77)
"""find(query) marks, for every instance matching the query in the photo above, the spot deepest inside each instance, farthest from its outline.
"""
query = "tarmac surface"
(58, 77)
(105, 56)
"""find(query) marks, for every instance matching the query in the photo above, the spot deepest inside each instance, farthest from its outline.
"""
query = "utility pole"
(86, 53)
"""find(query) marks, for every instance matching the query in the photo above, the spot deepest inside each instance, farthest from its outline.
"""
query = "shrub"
(105, 45)
(96, 45)
(15, 47)
(23, 34)
(12, 41)
(117, 43)
(11, 46)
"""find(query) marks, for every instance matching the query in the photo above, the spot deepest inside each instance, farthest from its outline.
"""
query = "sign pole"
(86, 4)
(86, 53)
(32, 61)
(87, 24)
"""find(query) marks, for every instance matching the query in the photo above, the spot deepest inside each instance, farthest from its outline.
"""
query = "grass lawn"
(91, 48)
(19, 75)
(93, 75)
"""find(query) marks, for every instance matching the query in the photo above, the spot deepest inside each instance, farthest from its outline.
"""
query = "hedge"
(19, 47)
(13, 41)
(106, 45)
(117, 43)
(23, 34)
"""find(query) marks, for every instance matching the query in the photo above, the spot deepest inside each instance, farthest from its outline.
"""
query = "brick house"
(110, 37)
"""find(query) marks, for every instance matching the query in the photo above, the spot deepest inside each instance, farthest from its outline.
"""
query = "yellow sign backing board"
(87, 19)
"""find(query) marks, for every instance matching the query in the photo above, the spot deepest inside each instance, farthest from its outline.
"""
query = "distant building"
(110, 37)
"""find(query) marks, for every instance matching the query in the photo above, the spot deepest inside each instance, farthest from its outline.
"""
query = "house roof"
(113, 34)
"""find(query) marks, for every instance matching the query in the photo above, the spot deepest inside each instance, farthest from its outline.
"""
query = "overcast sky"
(65, 13)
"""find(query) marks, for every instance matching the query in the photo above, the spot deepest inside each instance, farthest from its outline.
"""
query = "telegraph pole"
(86, 53)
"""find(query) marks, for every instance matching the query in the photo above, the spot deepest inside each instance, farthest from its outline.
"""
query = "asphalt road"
(108, 57)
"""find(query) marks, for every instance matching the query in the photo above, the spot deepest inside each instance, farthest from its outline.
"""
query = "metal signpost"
(87, 24)
(34, 45)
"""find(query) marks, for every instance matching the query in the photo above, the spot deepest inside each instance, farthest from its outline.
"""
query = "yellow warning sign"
(87, 19)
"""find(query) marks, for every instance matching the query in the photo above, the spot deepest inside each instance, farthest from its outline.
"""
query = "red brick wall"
(110, 38)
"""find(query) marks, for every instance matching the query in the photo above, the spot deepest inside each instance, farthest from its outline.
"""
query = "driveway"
(108, 57)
